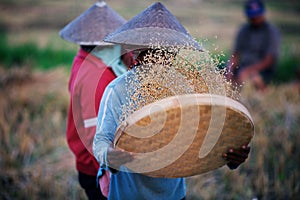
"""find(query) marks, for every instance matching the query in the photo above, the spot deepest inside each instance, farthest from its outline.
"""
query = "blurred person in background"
(256, 49)
(96, 64)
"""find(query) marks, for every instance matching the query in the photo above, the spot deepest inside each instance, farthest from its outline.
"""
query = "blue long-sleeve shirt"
(126, 185)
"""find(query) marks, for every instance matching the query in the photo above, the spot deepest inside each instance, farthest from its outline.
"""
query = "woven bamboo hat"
(184, 135)
(93, 25)
(155, 26)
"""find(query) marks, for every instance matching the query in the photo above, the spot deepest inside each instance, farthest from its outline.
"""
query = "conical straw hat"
(93, 25)
(155, 26)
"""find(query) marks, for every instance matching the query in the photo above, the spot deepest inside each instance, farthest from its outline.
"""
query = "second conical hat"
(93, 25)
(155, 26)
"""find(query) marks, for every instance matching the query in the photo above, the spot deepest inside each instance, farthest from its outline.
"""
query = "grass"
(37, 164)
(45, 58)
(35, 161)
(29, 54)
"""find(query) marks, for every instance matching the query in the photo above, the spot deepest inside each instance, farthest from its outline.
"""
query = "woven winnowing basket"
(184, 135)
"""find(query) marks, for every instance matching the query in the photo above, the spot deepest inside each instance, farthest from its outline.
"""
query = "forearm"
(262, 65)
(105, 129)
(100, 147)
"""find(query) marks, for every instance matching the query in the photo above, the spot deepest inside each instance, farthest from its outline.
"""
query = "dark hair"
(88, 48)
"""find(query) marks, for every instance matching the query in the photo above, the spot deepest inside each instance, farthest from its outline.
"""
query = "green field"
(35, 162)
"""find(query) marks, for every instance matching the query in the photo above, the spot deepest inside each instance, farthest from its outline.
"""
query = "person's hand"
(235, 157)
(247, 73)
(243, 75)
(104, 182)
(117, 157)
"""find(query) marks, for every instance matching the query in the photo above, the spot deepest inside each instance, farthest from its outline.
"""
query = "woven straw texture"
(93, 25)
(185, 135)
(155, 26)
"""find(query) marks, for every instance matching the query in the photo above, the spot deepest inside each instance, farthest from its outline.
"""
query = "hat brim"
(152, 36)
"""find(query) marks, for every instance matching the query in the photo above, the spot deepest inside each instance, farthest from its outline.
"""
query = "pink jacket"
(88, 80)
